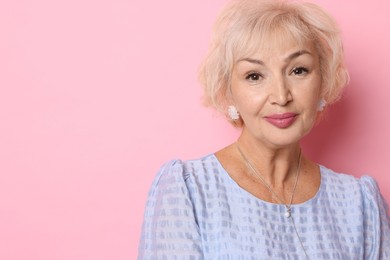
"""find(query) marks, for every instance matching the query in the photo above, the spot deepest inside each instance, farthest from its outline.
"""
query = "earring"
(321, 105)
(233, 113)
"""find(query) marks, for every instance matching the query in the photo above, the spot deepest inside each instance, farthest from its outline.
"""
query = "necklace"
(281, 201)
(260, 177)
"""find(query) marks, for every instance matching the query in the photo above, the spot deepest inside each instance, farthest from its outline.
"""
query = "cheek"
(312, 106)
(313, 93)
(309, 100)
(246, 98)
(250, 103)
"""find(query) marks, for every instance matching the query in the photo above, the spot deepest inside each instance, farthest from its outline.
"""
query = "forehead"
(284, 51)
(277, 37)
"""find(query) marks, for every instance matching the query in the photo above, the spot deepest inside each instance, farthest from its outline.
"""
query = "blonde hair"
(245, 25)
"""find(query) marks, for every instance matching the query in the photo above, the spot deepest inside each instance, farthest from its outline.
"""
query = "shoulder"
(179, 171)
(336, 182)
(365, 188)
(174, 187)
(186, 167)
(334, 177)
(339, 179)
(362, 202)
(178, 183)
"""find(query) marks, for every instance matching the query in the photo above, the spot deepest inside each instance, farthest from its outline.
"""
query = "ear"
(233, 113)
(321, 105)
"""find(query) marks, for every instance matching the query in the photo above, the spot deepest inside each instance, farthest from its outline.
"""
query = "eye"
(253, 76)
(299, 71)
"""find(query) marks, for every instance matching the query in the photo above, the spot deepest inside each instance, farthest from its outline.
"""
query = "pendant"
(287, 214)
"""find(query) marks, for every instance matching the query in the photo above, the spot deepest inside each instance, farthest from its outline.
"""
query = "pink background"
(96, 95)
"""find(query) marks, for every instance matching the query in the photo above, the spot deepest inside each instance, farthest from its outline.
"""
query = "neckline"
(309, 201)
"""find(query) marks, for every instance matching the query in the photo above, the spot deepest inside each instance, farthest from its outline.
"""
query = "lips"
(282, 120)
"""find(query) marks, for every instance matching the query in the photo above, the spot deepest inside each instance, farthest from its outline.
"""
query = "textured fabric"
(195, 210)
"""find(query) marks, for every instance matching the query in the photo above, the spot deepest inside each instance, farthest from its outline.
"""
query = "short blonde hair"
(245, 25)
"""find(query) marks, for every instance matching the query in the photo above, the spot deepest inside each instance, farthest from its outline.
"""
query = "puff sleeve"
(170, 230)
(376, 221)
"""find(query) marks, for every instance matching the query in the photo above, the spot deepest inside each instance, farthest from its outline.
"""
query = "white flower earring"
(233, 113)
(321, 105)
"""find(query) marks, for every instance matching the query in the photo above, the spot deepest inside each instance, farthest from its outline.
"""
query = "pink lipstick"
(282, 120)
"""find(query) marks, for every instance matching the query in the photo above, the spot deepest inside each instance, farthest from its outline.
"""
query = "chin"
(280, 139)
(278, 144)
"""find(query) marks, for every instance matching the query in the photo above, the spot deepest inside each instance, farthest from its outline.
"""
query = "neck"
(277, 165)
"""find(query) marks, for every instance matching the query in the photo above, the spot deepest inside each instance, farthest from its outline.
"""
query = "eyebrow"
(251, 61)
(290, 57)
(297, 54)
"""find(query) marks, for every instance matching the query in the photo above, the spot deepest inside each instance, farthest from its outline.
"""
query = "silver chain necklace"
(288, 212)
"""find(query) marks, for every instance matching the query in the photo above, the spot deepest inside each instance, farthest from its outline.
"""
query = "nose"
(280, 93)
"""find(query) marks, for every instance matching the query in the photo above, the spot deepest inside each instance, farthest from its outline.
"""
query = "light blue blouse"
(195, 210)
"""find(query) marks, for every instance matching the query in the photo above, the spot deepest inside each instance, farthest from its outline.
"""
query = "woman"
(273, 67)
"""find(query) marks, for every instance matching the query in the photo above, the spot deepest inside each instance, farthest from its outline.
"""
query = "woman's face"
(277, 93)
